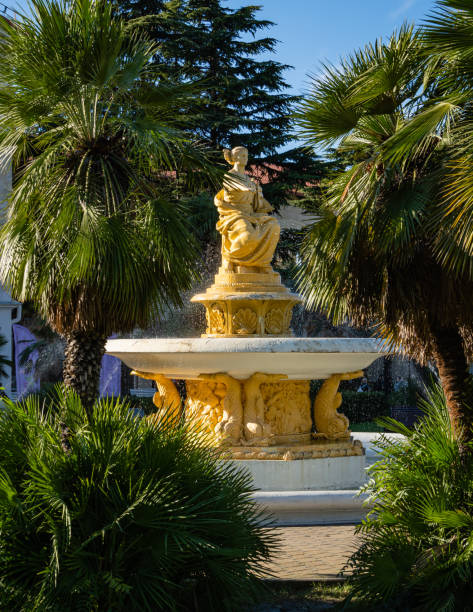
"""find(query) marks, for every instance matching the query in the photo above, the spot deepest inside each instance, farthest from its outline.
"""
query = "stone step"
(313, 507)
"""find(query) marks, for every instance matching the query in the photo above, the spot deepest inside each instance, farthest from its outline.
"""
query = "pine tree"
(244, 99)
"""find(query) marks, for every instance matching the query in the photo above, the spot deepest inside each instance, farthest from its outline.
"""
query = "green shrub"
(142, 406)
(358, 407)
(134, 517)
(417, 543)
(401, 398)
(408, 396)
(363, 407)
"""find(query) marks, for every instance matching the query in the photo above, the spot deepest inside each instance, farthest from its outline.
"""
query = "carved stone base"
(264, 410)
(247, 304)
(278, 440)
(288, 452)
(214, 405)
(288, 410)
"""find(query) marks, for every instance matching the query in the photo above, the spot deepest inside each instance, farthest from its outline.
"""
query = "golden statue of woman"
(249, 233)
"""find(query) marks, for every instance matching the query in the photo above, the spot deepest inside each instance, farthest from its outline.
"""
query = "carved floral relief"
(216, 319)
(245, 321)
(287, 407)
(275, 321)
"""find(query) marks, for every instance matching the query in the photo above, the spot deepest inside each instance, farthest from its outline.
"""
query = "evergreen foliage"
(244, 98)
(242, 101)
(417, 542)
(137, 516)
(93, 237)
(379, 251)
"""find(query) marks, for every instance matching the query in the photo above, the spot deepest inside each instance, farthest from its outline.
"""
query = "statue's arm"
(262, 204)
(266, 206)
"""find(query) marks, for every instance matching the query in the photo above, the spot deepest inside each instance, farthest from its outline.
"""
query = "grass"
(303, 596)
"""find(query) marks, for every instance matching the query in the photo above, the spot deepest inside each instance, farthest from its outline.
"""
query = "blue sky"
(312, 31)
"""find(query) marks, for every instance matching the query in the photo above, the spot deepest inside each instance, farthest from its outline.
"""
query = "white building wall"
(10, 310)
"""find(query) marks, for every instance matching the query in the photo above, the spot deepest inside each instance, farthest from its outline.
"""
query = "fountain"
(248, 379)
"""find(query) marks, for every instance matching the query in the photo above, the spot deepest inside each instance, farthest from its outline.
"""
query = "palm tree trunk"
(453, 370)
(82, 363)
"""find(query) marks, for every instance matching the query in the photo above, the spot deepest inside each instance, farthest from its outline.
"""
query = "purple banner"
(26, 381)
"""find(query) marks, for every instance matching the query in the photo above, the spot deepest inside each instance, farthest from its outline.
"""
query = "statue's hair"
(229, 155)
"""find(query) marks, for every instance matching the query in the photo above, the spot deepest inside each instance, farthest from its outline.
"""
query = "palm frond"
(142, 515)
(416, 545)
(97, 236)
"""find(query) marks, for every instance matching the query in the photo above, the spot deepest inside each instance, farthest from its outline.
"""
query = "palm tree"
(373, 254)
(92, 237)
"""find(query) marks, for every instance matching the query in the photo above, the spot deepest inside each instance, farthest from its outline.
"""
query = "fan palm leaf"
(375, 254)
(95, 235)
(138, 516)
(448, 40)
(416, 548)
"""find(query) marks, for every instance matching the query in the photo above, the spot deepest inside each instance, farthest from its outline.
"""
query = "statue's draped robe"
(249, 233)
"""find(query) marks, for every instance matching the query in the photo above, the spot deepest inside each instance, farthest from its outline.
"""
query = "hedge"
(358, 407)
(362, 407)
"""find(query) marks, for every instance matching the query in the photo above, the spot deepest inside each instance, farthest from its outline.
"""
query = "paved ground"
(312, 553)
(319, 552)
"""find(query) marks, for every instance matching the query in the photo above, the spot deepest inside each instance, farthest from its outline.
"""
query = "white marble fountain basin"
(298, 358)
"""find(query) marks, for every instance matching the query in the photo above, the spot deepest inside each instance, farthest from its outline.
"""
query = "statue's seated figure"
(249, 233)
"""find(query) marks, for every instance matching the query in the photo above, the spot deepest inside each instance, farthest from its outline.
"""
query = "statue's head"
(237, 154)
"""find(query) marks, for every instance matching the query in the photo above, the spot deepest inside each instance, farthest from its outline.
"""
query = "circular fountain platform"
(297, 358)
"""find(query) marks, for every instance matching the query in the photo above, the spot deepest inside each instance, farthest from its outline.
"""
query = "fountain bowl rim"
(246, 345)
(291, 358)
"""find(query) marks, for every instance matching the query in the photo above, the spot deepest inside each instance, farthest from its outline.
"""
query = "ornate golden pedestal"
(243, 304)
